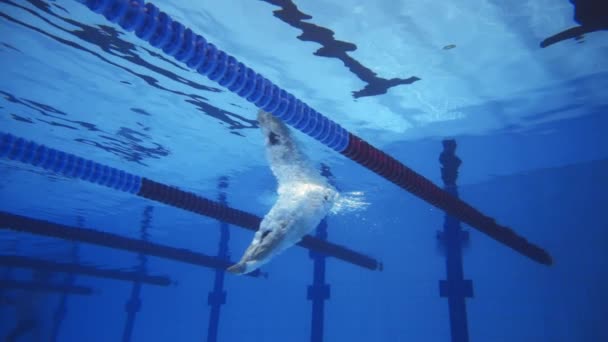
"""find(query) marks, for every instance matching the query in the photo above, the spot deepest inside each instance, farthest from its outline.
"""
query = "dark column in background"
(134, 303)
(319, 291)
(7, 271)
(217, 297)
(70, 278)
(452, 238)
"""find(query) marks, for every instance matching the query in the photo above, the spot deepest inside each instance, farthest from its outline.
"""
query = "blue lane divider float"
(67, 164)
(72, 166)
(158, 29)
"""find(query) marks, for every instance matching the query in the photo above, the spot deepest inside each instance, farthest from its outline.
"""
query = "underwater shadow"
(333, 48)
(592, 15)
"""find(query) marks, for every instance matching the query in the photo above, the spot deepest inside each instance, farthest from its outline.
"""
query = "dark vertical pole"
(319, 291)
(7, 271)
(217, 297)
(455, 287)
(134, 303)
(70, 279)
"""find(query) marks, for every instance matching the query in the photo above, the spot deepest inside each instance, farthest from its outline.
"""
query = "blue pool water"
(521, 89)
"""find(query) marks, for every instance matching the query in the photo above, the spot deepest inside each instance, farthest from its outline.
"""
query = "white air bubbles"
(349, 202)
